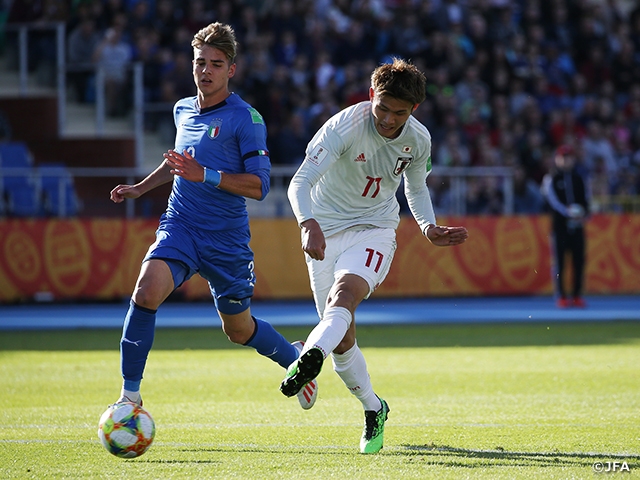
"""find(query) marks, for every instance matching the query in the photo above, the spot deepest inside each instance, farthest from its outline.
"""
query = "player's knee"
(346, 343)
(348, 292)
(239, 337)
(237, 322)
(144, 297)
(342, 298)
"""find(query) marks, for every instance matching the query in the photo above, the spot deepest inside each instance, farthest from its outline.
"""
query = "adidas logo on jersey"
(360, 158)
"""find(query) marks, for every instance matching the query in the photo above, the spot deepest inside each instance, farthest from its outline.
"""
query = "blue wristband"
(212, 176)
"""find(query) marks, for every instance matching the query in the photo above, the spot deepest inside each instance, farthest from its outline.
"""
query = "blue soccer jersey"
(230, 137)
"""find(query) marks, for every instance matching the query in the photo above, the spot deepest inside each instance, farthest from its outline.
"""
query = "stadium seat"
(22, 196)
(58, 190)
(15, 155)
(19, 192)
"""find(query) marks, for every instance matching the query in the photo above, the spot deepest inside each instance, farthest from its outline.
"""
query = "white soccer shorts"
(367, 253)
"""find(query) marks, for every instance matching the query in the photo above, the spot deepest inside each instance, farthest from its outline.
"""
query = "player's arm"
(313, 241)
(418, 196)
(421, 207)
(184, 165)
(299, 194)
(550, 194)
(159, 176)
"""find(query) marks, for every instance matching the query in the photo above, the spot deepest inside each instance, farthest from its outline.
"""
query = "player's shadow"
(448, 456)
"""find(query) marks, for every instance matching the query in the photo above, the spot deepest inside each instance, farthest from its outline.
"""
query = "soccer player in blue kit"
(220, 158)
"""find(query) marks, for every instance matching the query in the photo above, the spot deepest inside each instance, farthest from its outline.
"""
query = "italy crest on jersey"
(214, 128)
(402, 163)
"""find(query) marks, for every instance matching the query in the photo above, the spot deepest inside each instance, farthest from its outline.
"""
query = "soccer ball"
(126, 430)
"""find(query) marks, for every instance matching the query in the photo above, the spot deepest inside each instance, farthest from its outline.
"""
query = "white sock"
(352, 369)
(133, 396)
(330, 331)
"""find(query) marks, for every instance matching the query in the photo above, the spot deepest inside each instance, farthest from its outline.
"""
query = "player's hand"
(185, 166)
(576, 211)
(313, 242)
(446, 236)
(121, 192)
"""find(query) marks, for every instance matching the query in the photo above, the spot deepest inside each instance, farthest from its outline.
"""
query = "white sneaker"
(309, 393)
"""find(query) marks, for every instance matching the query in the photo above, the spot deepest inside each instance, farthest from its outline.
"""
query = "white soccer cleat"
(309, 393)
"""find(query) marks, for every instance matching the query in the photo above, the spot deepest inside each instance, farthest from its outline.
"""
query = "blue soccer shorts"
(223, 258)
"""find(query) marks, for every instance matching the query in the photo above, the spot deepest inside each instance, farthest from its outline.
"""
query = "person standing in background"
(568, 197)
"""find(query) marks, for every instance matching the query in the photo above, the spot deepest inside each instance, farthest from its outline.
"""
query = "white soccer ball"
(126, 430)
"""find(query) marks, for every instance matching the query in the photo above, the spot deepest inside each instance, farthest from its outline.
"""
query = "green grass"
(496, 401)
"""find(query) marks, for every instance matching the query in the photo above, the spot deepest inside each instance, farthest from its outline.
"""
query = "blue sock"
(268, 342)
(135, 344)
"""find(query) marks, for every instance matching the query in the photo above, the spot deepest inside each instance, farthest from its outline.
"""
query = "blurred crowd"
(508, 80)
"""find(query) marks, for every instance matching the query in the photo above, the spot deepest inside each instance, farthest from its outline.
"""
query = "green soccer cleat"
(373, 434)
(302, 371)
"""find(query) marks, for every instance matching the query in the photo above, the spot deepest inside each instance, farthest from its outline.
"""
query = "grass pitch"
(467, 401)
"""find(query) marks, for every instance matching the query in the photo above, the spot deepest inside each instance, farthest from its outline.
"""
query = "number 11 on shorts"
(371, 254)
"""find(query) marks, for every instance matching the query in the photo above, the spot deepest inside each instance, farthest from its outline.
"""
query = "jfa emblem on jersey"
(214, 128)
(402, 163)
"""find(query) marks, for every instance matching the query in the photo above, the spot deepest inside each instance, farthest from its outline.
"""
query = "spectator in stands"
(81, 46)
(597, 145)
(146, 51)
(527, 197)
(453, 152)
(113, 55)
(290, 142)
(163, 22)
(513, 44)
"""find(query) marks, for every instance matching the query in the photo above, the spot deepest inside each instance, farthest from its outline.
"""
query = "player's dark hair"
(218, 35)
(400, 79)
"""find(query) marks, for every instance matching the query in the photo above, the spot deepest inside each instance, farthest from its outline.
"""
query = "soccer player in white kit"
(343, 197)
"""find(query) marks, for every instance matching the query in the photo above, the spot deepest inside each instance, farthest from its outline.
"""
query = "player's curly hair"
(400, 79)
(220, 36)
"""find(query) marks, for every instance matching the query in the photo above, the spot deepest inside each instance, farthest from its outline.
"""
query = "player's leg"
(360, 261)
(308, 366)
(228, 266)
(244, 329)
(558, 245)
(578, 262)
(153, 286)
(227, 263)
(327, 335)
(166, 266)
(336, 290)
(351, 367)
(345, 296)
(359, 269)
(348, 361)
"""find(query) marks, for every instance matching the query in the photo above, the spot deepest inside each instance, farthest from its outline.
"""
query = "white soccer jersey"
(351, 173)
